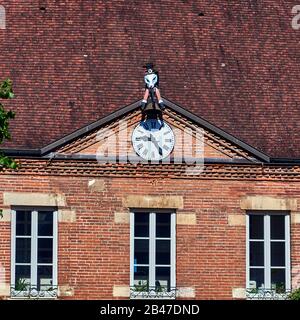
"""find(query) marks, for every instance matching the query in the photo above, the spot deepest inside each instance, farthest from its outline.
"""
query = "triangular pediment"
(115, 137)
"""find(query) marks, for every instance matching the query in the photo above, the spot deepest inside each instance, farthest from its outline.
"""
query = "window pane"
(256, 226)
(277, 254)
(23, 250)
(45, 223)
(141, 278)
(45, 250)
(45, 278)
(277, 227)
(141, 251)
(23, 223)
(141, 224)
(256, 278)
(256, 253)
(162, 278)
(22, 277)
(163, 252)
(163, 225)
(278, 280)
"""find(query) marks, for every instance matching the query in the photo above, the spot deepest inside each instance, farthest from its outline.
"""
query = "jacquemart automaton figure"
(151, 80)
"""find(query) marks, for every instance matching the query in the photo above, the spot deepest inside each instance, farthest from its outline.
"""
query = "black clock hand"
(156, 144)
(144, 138)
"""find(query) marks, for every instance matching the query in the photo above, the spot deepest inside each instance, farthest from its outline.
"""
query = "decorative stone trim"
(186, 218)
(68, 216)
(181, 218)
(162, 202)
(185, 292)
(121, 291)
(236, 220)
(295, 217)
(33, 199)
(268, 203)
(6, 215)
(96, 185)
(65, 291)
(239, 293)
(122, 217)
(4, 290)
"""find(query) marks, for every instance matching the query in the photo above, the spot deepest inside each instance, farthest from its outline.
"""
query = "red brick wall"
(94, 251)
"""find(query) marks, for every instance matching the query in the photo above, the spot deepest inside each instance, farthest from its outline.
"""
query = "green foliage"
(295, 295)
(142, 286)
(21, 285)
(6, 92)
(7, 162)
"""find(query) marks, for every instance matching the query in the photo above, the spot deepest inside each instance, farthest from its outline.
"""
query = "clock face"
(153, 139)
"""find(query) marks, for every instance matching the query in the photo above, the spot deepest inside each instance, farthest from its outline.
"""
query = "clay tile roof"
(233, 63)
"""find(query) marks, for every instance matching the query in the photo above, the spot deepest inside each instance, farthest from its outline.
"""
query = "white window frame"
(267, 253)
(34, 253)
(152, 253)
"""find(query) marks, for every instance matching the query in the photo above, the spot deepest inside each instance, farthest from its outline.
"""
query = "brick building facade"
(95, 204)
(86, 217)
